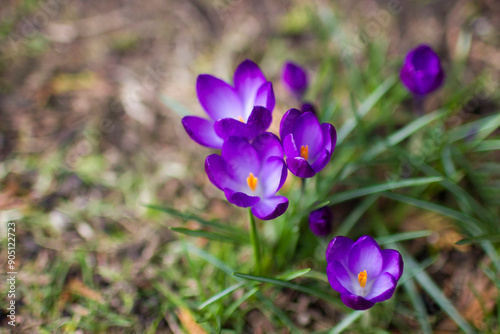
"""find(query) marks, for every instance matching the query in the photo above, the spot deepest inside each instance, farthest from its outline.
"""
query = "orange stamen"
(304, 151)
(362, 276)
(241, 119)
(252, 182)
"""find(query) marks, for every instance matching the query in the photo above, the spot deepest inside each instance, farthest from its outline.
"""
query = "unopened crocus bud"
(320, 221)
(422, 72)
(294, 79)
(306, 106)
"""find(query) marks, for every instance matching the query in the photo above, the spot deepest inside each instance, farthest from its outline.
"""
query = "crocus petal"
(267, 145)
(215, 167)
(343, 276)
(248, 78)
(329, 136)
(241, 158)
(265, 96)
(272, 175)
(356, 302)
(290, 147)
(338, 249)
(393, 263)
(240, 199)
(300, 167)
(202, 131)
(382, 289)
(228, 127)
(258, 121)
(219, 99)
(288, 122)
(321, 161)
(365, 255)
(307, 131)
(270, 208)
(332, 278)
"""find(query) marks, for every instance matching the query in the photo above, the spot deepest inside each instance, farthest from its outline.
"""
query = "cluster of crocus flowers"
(251, 167)
(361, 272)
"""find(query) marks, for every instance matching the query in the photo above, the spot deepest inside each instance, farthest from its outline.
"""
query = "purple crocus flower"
(243, 110)
(250, 174)
(422, 72)
(308, 145)
(320, 221)
(362, 272)
(294, 79)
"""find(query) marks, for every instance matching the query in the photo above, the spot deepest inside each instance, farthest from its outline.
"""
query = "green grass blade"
(364, 108)
(402, 236)
(355, 215)
(350, 194)
(402, 134)
(189, 216)
(278, 313)
(475, 240)
(485, 124)
(207, 235)
(220, 295)
(488, 145)
(419, 306)
(346, 322)
(294, 286)
(468, 223)
(295, 274)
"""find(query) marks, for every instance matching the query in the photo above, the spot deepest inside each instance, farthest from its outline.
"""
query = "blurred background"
(91, 98)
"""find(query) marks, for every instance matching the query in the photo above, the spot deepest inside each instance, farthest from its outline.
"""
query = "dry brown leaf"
(188, 321)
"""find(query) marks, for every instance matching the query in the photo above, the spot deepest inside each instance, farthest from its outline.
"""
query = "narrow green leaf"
(294, 286)
(402, 134)
(230, 310)
(402, 236)
(350, 194)
(468, 223)
(364, 108)
(295, 274)
(488, 145)
(346, 322)
(189, 216)
(220, 295)
(211, 259)
(355, 215)
(205, 234)
(419, 306)
(278, 313)
(485, 124)
(474, 240)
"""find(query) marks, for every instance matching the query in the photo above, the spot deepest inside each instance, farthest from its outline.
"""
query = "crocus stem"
(254, 239)
(303, 186)
(419, 104)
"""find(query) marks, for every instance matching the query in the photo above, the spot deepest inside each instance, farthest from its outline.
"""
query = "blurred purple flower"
(422, 72)
(250, 174)
(243, 110)
(294, 79)
(308, 145)
(362, 272)
(320, 221)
